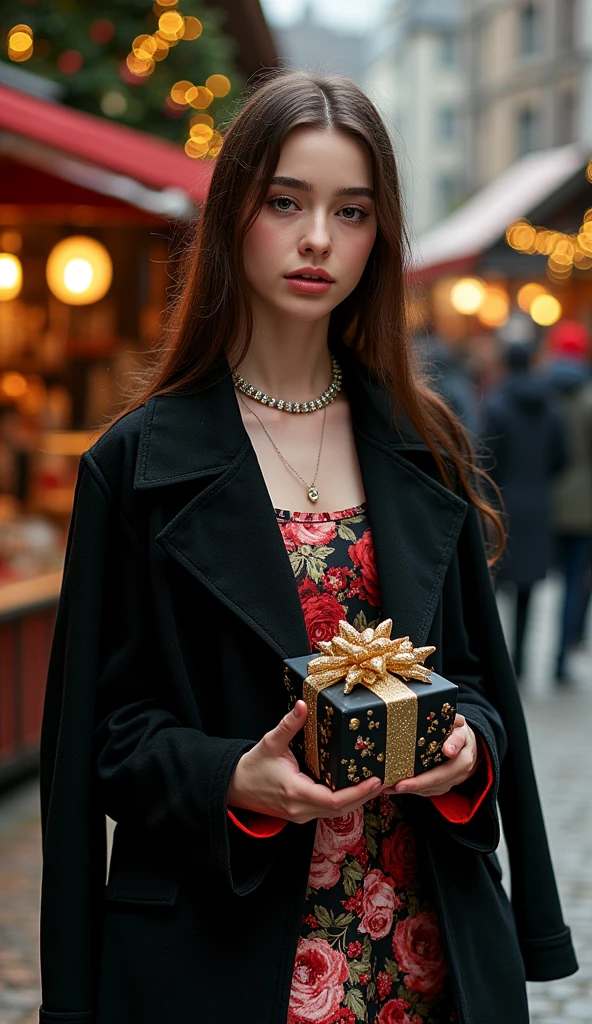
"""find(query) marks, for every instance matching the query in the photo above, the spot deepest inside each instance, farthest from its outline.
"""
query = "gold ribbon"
(370, 658)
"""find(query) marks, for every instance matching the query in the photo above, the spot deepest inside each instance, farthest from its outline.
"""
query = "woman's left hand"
(463, 759)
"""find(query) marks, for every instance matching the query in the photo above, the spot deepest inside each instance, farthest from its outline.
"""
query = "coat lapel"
(228, 537)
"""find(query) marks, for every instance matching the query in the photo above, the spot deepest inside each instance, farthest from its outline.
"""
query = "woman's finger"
(277, 741)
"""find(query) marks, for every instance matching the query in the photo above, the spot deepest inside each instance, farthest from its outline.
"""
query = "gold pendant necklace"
(311, 489)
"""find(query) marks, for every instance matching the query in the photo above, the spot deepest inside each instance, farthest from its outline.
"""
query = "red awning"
(95, 141)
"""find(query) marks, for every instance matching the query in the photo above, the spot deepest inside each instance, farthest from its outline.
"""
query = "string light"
(20, 42)
(545, 310)
(11, 276)
(467, 295)
(219, 85)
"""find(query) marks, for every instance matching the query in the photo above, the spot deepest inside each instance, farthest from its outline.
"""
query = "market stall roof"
(110, 158)
(457, 241)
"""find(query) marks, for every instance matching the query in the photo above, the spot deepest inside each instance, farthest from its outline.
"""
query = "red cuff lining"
(260, 826)
(458, 807)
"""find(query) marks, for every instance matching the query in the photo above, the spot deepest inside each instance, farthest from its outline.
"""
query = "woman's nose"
(316, 238)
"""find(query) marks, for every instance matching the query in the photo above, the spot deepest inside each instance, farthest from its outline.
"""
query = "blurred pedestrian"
(525, 432)
(568, 371)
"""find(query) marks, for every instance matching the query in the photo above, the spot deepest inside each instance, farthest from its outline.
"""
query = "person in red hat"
(568, 370)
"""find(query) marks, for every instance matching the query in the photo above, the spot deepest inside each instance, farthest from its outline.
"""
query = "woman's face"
(318, 218)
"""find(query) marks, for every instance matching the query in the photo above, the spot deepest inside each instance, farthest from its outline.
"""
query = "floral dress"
(370, 947)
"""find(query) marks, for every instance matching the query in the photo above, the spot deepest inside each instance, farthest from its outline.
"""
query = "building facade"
(418, 79)
(529, 79)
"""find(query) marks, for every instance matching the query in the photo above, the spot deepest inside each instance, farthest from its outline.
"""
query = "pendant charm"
(313, 494)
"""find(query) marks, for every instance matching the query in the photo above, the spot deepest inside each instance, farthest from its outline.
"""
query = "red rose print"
(322, 613)
(337, 836)
(395, 1012)
(362, 555)
(336, 579)
(384, 984)
(417, 947)
(317, 983)
(296, 533)
(354, 950)
(324, 873)
(378, 904)
(398, 856)
(311, 921)
(306, 589)
(360, 852)
(355, 903)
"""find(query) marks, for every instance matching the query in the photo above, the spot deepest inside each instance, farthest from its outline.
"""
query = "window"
(528, 131)
(566, 27)
(448, 49)
(447, 124)
(530, 29)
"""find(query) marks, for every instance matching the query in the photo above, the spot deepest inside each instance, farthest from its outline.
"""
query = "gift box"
(374, 708)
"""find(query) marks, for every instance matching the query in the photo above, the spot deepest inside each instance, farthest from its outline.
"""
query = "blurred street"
(565, 786)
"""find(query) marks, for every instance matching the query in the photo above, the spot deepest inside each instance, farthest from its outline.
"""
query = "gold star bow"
(368, 657)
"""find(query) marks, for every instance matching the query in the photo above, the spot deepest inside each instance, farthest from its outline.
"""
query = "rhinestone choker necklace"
(278, 403)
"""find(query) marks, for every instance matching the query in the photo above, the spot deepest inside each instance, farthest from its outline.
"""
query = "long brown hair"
(210, 319)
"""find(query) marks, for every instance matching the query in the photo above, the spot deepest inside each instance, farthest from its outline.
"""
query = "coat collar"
(227, 536)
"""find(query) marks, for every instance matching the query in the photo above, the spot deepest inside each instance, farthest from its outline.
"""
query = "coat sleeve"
(462, 665)
(111, 745)
(545, 940)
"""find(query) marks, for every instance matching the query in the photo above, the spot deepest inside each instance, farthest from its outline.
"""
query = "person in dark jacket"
(567, 371)
(240, 509)
(526, 434)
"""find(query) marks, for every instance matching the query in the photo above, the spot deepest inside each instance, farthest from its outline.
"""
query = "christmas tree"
(165, 67)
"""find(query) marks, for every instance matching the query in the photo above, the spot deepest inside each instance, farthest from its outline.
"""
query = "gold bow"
(368, 657)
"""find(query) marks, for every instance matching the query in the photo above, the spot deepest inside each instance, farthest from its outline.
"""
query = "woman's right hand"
(267, 780)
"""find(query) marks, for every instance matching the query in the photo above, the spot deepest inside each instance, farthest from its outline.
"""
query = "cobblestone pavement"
(559, 722)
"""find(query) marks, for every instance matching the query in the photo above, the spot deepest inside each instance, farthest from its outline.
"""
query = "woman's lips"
(308, 287)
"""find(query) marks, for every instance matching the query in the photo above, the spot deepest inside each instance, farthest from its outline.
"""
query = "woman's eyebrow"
(305, 186)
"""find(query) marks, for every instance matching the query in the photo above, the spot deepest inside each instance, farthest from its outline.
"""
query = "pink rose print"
(378, 905)
(395, 1012)
(324, 873)
(322, 612)
(362, 555)
(296, 533)
(417, 947)
(317, 983)
(335, 837)
(398, 856)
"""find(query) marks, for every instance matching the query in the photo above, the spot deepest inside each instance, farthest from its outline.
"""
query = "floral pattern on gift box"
(370, 947)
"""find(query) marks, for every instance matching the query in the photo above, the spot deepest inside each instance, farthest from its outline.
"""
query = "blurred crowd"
(528, 407)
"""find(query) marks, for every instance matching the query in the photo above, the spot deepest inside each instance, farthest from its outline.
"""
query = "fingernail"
(450, 747)
(401, 789)
(297, 711)
(376, 785)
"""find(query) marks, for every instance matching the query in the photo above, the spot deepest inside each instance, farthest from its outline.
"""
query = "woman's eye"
(353, 213)
(283, 204)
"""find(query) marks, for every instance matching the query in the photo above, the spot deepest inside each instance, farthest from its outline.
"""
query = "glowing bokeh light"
(219, 85)
(13, 384)
(201, 132)
(193, 28)
(495, 308)
(467, 295)
(179, 91)
(202, 119)
(528, 293)
(11, 276)
(172, 25)
(199, 97)
(79, 270)
(545, 310)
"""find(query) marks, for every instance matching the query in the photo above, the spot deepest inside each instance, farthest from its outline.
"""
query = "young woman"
(284, 468)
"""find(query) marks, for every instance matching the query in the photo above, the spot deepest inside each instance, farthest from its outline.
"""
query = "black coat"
(178, 606)
(526, 433)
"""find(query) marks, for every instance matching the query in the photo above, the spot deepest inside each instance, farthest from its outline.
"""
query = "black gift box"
(350, 740)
